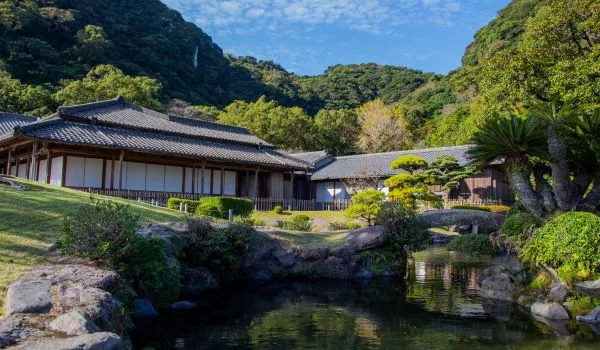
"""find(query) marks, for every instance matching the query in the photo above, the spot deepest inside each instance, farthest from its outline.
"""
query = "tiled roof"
(70, 132)
(9, 120)
(122, 113)
(310, 157)
(378, 164)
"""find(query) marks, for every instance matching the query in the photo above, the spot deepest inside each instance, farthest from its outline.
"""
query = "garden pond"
(439, 307)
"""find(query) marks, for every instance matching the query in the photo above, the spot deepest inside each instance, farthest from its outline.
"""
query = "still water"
(439, 307)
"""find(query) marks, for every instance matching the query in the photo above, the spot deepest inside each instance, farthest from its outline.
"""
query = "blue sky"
(307, 36)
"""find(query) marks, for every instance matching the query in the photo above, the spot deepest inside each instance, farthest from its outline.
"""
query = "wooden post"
(63, 179)
(33, 167)
(334, 191)
(48, 164)
(112, 173)
(9, 162)
(202, 179)
(256, 182)
(194, 179)
(103, 174)
(222, 181)
(182, 182)
(292, 185)
(121, 156)
(247, 183)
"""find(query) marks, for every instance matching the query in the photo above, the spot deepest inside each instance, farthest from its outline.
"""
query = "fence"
(456, 202)
(261, 204)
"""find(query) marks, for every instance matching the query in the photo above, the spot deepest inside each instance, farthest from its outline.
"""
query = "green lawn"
(321, 219)
(31, 221)
(310, 239)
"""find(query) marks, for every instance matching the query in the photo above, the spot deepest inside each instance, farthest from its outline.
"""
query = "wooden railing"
(261, 204)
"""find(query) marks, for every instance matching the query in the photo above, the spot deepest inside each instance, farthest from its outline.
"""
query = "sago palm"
(512, 140)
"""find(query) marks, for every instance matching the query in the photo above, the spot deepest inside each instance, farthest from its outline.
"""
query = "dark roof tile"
(8, 121)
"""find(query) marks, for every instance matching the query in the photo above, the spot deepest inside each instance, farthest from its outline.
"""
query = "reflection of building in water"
(464, 278)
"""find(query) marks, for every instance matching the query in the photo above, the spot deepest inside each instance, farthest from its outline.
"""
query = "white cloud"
(373, 16)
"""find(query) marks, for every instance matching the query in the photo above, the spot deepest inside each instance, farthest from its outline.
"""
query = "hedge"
(218, 207)
(173, 203)
(500, 209)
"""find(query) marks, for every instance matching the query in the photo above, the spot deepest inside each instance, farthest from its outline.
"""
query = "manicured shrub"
(300, 218)
(218, 207)
(571, 239)
(152, 273)
(345, 225)
(473, 244)
(518, 225)
(365, 205)
(498, 209)
(278, 209)
(517, 207)
(405, 230)
(305, 226)
(217, 249)
(250, 221)
(102, 230)
(174, 203)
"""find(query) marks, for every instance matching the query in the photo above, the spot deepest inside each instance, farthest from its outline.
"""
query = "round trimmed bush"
(278, 209)
(301, 218)
(571, 239)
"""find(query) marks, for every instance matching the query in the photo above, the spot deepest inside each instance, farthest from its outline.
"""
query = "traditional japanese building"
(116, 146)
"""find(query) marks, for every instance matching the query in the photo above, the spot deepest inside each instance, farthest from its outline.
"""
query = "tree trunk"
(544, 189)
(563, 188)
(594, 196)
(519, 180)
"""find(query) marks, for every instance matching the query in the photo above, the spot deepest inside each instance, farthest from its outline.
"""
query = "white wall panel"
(75, 172)
(207, 173)
(216, 184)
(23, 170)
(42, 171)
(276, 186)
(173, 179)
(155, 177)
(136, 176)
(56, 172)
(13, 170)
(325, 192)
(188, 180)
(93, 172)
(230, 184)
(108, 173)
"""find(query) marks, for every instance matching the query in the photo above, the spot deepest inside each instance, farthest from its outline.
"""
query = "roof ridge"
(200, 121)
(416, 150)
(90, 105)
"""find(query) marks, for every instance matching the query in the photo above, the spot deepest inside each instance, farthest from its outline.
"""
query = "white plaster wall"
(75, 172)
(13, 170)
(230, 185)
(23, 170)
(207, 173)
(325, 192)
(92, 172)
(216, 184)
(155, 177)
(42, 170)
(56, 172)
(108, 173)
(136, 176)
(188, 180)
(173, 179)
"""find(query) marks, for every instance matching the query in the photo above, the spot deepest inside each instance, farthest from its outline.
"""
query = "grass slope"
(31, 222)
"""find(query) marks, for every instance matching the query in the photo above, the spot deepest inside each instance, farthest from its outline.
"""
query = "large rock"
(143, 308)
(29, 295)
(74, 323)
(14, 328)
(497, 286)
(551, 311)
(590, 288)
(198, 280)
(183, 305)
(558, 293)
(366, 238)
(593, 317)
(95, 341)
(87, 276)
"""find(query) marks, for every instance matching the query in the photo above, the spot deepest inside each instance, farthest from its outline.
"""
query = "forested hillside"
(65, 51)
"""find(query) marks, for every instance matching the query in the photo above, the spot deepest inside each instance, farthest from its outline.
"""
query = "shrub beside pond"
(473, 244)
(569, 242)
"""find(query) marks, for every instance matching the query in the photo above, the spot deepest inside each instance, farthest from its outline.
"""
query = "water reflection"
(438, 308)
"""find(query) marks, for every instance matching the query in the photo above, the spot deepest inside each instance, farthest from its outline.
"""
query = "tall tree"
(382, 130)
(17, 97)
(412, 185)
(337, 131)
(106, 82)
